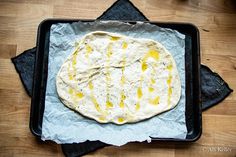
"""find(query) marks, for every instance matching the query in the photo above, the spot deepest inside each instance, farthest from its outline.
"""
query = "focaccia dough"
(115, 78)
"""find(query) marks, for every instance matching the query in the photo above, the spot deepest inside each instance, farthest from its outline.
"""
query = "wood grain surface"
(216, 21)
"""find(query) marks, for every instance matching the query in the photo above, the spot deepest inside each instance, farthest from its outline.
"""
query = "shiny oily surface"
(115, 78)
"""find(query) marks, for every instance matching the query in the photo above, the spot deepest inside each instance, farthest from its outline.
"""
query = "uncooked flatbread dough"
(115, 78)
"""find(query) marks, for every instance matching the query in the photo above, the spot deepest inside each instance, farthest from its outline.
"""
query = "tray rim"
(67, 20)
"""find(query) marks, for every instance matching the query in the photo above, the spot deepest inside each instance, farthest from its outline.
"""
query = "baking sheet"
(63, 125)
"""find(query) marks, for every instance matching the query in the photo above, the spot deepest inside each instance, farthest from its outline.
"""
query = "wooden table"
(216, 21)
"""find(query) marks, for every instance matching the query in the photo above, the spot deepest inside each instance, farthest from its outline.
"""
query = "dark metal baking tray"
(192, 65)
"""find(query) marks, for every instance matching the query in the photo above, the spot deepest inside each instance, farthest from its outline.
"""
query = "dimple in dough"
(115, 78)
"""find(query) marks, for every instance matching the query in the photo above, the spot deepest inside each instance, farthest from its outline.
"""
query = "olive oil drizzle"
(122, 81)
(169, 82)
(109, 104)
(152, 53)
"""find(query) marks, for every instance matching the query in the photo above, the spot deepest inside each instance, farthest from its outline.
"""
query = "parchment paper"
(63, 125)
